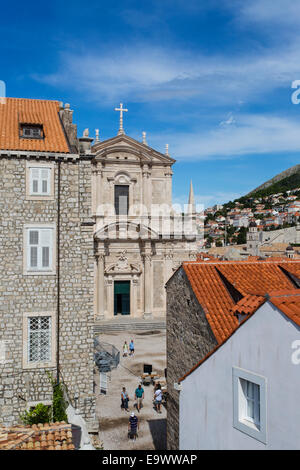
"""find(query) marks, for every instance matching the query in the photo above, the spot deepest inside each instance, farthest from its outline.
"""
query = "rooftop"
(17, 111)
(53, 436)
(220, 285)
(286, 300)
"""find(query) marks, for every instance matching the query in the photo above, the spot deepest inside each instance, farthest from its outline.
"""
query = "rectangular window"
(39, 339)
(31, 131)
(249, 404)
(251, 409)
(39, 181)
(121, 199)
(40, 249)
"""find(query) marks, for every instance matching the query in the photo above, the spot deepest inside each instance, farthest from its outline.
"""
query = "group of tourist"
(133, 424)
(130, 348)
(138, 394)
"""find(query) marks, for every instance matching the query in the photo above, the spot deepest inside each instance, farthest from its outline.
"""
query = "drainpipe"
(58, 271)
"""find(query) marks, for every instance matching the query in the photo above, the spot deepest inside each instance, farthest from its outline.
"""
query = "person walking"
(139, 395)
(125, 349)
(131, 348)
(157, 397)
(124, 399)
(133, 426)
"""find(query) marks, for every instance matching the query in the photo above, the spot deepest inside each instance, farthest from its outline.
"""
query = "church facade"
(139, 239)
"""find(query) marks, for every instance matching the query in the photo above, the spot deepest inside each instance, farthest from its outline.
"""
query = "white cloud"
(147, 73)
(252, 134)
(269, 12)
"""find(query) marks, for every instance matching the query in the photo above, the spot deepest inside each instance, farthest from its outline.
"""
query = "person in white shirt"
(158, 398)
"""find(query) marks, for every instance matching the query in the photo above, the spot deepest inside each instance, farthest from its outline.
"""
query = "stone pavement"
(150, 349)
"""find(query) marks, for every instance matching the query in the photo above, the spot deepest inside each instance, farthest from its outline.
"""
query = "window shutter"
(45, 177)
(45, 256)
(33, 256)
(34, 180)
(46, 245)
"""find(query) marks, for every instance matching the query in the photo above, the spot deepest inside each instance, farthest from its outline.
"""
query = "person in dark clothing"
(133, 426)
(124, 399)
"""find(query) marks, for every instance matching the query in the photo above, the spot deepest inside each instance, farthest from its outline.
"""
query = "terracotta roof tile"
(53, 436)
(286, 300)
(254, 278)
(16, 111)
(248, 304)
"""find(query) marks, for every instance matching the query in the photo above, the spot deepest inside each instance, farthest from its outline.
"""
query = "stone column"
(100, 284)
(147, 282)
(133, 299)
(110, 297)
(99, 191)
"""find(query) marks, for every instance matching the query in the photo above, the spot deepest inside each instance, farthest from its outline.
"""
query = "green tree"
(39, 414)
(242, 236)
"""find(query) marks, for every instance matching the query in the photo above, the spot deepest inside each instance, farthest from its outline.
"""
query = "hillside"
(285, 181)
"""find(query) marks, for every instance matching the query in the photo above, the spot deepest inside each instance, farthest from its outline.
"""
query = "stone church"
(139, 239)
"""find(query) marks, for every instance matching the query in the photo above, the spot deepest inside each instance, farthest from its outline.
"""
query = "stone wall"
(189, 339)
(21, 293)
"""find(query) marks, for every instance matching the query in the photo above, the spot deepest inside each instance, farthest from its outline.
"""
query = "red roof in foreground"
(248, 278)
(287, 301)
(53, 436)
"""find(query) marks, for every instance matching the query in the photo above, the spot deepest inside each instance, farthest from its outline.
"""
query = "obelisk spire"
(191, 204)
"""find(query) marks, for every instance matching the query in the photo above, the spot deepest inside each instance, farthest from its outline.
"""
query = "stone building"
(139, 239)
(259, 241)
(46, 258)
(201, 299)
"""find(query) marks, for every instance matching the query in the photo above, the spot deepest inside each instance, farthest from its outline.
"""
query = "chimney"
(66, 116)
(85, 142)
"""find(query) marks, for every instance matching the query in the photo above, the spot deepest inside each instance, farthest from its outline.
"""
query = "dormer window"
(30, 131)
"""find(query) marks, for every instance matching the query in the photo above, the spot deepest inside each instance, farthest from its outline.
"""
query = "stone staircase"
(126, 324)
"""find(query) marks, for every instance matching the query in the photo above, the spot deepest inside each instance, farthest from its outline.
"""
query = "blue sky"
(211, 79)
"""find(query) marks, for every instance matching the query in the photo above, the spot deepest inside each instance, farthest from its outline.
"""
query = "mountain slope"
(284, 181)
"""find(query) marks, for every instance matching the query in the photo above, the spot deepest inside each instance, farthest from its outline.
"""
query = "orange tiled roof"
(16, 111)
(248, 304)
(288, 301)
(53, 436)
(247, 277)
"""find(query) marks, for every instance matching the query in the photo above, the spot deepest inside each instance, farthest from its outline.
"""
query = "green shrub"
(59, 405)
(39, 414)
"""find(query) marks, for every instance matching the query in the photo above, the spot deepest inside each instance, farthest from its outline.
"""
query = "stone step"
(129, 325)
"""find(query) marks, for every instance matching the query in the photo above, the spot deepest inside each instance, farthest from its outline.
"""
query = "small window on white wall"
(39, 249)
(249, 403)
(39, 181)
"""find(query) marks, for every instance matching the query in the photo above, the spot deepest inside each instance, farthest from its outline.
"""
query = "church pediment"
(123, 147)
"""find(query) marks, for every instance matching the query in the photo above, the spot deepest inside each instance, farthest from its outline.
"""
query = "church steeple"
(192, 206)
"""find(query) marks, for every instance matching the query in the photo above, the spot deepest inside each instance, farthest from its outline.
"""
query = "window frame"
(39, 364)
(117, 200)
(30, 195)
(32, 128)
(241, 422)
(39, 270)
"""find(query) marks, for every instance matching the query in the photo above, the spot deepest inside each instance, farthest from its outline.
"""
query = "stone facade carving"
(139, 249)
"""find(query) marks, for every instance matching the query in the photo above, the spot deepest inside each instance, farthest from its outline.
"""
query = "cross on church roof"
(121, 109)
